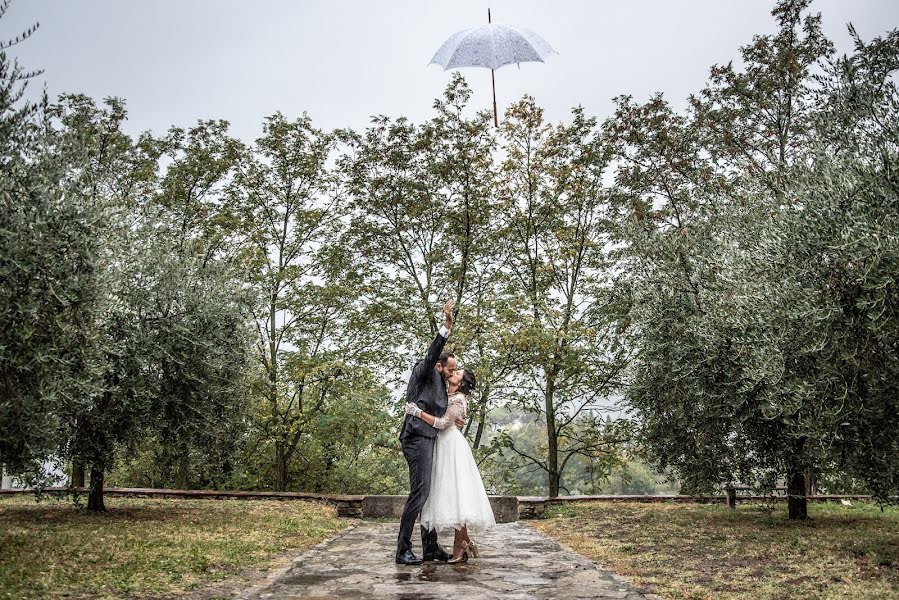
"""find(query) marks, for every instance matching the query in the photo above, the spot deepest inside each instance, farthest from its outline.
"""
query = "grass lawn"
(705, 551)
(150, 548)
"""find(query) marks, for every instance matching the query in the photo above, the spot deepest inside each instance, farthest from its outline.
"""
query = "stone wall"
(505, 508)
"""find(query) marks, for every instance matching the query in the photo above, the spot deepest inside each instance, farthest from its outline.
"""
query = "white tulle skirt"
(457, 496)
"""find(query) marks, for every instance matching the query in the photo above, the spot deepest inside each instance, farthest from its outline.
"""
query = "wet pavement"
(516, 562)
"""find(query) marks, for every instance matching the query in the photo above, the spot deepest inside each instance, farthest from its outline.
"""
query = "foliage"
(290, 217)
(52, 293)
(189, 310)
(841, 248)
(560, 281)
(172, 333)
(734, 220)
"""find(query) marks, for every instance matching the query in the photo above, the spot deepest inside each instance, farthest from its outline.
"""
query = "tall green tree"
(398, 229)
(734, 379)
(291, 224)
(53, 283)
(840, 255)
(560, 276)
(200, 431)
(759, 121)
(172, 330)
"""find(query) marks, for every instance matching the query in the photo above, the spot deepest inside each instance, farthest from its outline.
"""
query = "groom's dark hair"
(445, 356)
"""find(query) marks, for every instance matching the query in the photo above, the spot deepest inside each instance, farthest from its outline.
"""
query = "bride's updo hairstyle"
(468, 383)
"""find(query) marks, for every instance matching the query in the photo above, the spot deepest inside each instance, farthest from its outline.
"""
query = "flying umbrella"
(491, 46)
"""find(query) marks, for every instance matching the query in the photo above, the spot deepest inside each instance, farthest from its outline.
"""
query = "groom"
(427, 389)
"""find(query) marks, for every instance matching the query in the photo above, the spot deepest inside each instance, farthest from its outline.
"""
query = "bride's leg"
(457, 543)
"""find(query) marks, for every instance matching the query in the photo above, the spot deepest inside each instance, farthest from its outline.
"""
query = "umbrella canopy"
(491, 46)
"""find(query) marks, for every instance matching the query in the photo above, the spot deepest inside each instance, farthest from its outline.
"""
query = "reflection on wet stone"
(516, 562)
(307, 579)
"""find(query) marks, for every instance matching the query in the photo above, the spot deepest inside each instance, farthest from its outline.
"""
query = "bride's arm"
(453, 412)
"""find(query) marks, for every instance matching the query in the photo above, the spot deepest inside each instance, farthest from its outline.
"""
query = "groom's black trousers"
(419, 453)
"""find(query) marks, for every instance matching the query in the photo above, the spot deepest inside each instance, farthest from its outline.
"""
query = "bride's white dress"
(457, 497)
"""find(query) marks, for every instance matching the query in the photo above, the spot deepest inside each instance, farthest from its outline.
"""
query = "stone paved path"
(516, 563)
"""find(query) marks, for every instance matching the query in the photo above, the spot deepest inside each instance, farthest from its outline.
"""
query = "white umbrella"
(491, 46)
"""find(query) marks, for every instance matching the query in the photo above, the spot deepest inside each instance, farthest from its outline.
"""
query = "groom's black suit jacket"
(427, 389)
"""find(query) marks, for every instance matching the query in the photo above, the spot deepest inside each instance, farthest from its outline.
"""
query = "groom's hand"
(448, 314)
(460, 423)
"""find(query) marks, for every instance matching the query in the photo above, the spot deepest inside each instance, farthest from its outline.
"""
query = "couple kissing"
(445, 485)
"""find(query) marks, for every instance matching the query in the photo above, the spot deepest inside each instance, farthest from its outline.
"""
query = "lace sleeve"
(455, 410)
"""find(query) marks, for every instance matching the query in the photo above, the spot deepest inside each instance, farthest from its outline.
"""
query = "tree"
(760, 120)
(102, 169)
(53, 282)
(291, 223)
(561, 281)
(672, 218)
(735, 377)
(171, 333)
(203, 425)
(841, 257)
(399, 230)
(424, 218)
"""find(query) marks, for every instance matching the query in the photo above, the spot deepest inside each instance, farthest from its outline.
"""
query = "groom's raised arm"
(425, 365)
(430, 360)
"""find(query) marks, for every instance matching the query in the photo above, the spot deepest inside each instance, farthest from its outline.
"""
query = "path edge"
(274, 574)
(615, 576)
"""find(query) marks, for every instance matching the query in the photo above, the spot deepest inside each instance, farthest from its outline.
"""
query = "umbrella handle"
(493, 81)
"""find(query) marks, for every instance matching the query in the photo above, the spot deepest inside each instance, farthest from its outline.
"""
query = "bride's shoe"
(461, 559)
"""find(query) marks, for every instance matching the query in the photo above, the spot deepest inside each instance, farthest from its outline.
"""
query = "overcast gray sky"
(176, 61)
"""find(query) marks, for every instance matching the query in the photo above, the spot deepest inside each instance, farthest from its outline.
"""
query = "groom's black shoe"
(408, 558)
(440, 554)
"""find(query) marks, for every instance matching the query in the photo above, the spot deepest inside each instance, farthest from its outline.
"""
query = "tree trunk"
(95, 497)
(552, 439)
(182, 467)
(811, 482)
(77, 473)
(280, 468)
(797, 503)
(479, 433)
(482, 416)
(280, 449)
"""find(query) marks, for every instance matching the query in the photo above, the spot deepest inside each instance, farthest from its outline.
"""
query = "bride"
(457, 498)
